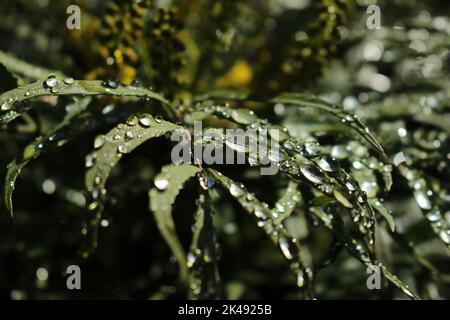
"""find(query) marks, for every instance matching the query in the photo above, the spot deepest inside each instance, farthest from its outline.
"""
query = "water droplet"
(42, 274)
(93, 205)
(206, 182)
(280, 208)
(434, 216)
(342, 199)
(237, 144)
(49, 186)
(6, 106)
(112, 83)
(370, 188)
(300, 279)
(310, 149)
(312, 174)
(286, 247)
(259, 213)
(27, 94)
(51, 82)
(129, 135)
(243, 116)
(445, 236)
(350, 186)
(161, 182)
(357, 165)
(89, 161)
(279, 134)
(339, 152)
(191, 258)
(275, 155)
(158, 119)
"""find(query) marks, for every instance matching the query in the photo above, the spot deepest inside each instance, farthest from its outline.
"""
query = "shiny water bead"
(161, 182)
(112, 83)
(69, 81)
(132, 121)
(339, 152)
(310, 149)
(6, 106)
(244, 116)
(145, 120)
(422, 199)
(122, 149)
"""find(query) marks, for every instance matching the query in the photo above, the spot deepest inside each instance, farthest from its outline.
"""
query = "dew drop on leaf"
(69, 81)
(328, 164)
(51, 82)
(122, 149)
(161, 182)
(312, 174)
(145, 121)
(422, 199)
(158, 119)
(5, 106)
(132, 121)
(99, 141)
(243, 116)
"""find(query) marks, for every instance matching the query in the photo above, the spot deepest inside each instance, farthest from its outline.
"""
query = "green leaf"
(204, 278)
(11, 102)
(109, 149)
(168, 184)
(286, 243)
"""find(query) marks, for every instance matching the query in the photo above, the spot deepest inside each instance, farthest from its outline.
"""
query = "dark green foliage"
(347, 104)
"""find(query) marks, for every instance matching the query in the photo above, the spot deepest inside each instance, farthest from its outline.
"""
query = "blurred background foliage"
(396, 79)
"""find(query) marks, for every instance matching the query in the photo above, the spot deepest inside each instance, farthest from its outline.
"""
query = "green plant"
(334, 173)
